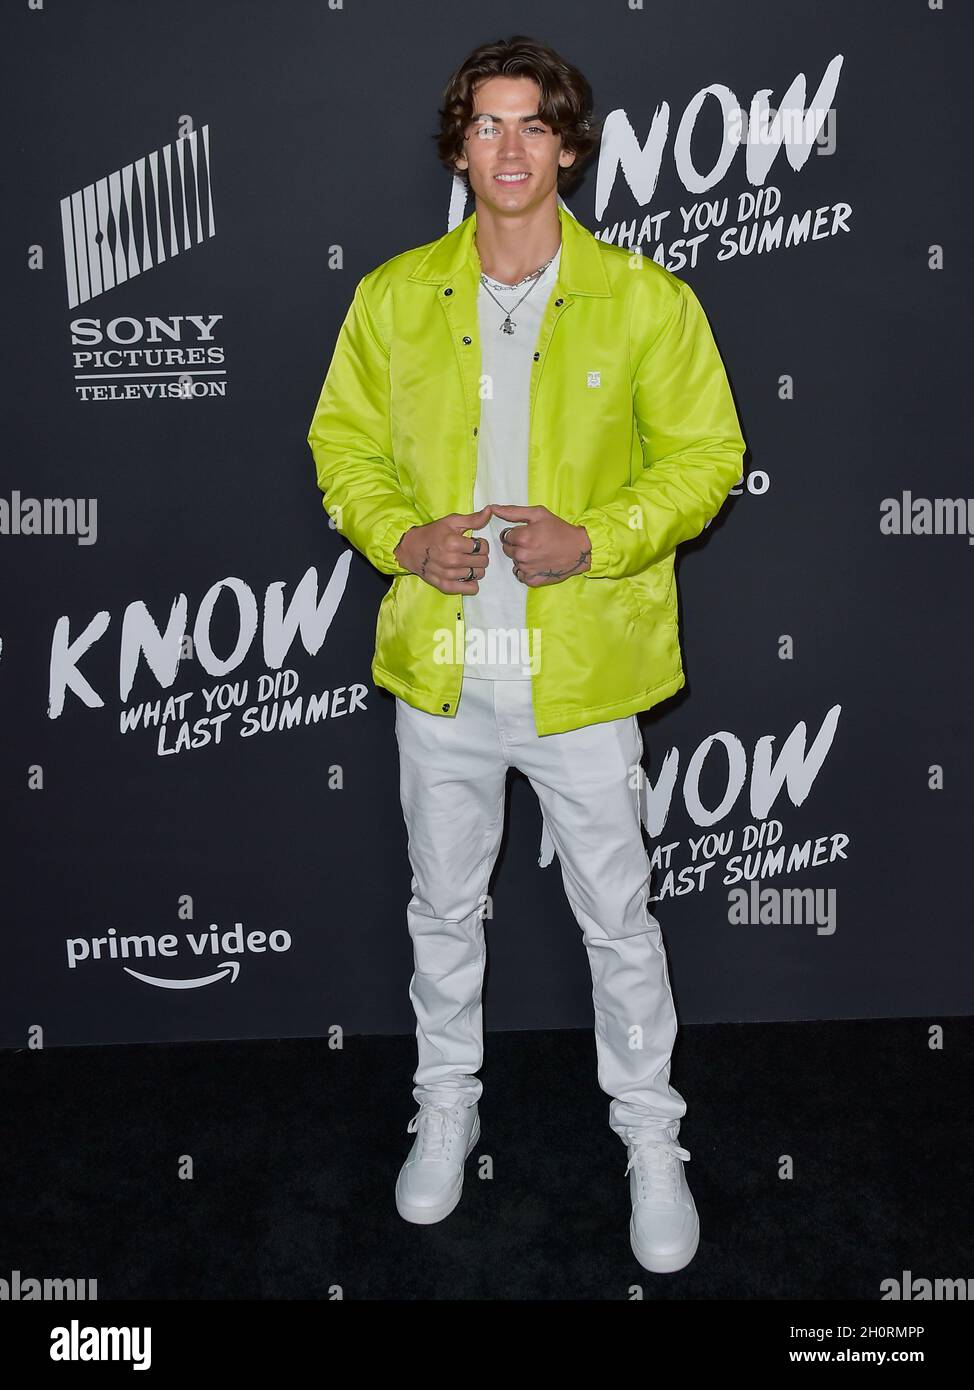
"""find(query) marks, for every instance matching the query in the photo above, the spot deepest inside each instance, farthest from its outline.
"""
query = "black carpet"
(295, 1149)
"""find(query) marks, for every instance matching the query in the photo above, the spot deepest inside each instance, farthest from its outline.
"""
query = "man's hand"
(442, 555)
(545, 549)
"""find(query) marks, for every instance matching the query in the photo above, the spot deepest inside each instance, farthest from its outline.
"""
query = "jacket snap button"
(475, 429)
(537, 356)
(468, 341)
(447, 291)
(558, 301)
(446, 706)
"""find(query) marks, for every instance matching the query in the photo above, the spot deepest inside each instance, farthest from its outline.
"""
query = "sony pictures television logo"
(151, 358)
(117, 228)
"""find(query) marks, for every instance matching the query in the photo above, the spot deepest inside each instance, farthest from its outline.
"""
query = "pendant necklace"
(508, 326)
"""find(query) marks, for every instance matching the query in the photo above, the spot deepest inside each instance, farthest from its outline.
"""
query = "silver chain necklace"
(508, 326)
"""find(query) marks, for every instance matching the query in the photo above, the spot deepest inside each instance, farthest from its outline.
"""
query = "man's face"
(506, 136)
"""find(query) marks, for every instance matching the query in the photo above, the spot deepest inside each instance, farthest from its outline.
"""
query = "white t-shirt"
(497, 645)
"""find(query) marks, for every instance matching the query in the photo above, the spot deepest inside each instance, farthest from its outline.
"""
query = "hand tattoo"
(561, 574)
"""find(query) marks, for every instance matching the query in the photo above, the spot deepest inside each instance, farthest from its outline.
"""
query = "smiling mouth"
(512, 178)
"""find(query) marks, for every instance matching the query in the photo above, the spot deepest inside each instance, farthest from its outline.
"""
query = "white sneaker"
(430, 1182)
(664, 1229)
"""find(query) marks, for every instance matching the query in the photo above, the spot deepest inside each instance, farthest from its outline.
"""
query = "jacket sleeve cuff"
(390, 537)
(603, 557)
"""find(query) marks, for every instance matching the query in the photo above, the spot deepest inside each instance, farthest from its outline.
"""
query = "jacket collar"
(580, 270)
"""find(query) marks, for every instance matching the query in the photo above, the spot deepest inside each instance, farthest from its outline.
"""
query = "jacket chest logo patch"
(595, 378)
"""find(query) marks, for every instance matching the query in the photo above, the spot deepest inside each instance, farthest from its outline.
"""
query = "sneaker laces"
(432, 1122)
(657, 1172)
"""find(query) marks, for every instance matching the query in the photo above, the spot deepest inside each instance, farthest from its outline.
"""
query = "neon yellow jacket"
(633, 434)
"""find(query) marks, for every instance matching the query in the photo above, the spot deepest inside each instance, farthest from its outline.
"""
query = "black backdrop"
(293, 144)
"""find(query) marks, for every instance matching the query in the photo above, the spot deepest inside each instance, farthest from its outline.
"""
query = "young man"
(564, 400)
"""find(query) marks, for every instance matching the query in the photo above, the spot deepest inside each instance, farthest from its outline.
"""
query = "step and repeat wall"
(203, 834)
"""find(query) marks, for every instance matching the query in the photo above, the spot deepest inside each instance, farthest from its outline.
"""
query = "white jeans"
(452, 786)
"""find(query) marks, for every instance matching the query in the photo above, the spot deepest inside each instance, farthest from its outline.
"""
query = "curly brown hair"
(566, 100)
